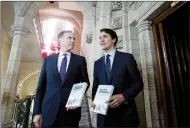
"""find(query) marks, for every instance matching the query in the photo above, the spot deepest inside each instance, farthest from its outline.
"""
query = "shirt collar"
(68, 53)
(111, 53)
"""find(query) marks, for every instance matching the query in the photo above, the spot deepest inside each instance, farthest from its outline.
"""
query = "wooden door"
(171, 33)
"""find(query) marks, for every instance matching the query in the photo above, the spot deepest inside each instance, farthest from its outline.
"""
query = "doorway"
(171, 35)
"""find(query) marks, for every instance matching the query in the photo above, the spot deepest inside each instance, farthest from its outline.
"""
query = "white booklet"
(103, 93)
(76, 95)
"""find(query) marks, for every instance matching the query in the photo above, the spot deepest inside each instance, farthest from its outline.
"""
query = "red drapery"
(48, 50)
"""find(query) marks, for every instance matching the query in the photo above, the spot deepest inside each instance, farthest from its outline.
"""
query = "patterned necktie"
(63, 68)
(108, 68)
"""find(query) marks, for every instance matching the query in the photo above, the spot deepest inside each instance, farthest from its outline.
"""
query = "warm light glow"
(50, 33)
(50, 29)
(68, 26)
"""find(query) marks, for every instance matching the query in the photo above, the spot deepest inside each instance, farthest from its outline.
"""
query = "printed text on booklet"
(103, 93)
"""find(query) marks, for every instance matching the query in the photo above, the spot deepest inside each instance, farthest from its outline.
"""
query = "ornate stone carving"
(120, 42)
(18, 7)
(89, 38)
(25, 8)
(116, 23)
(21, 7)
(144, 25)
(136, 4)
(116, 5)
(94, 3)
(128, 5)
(38, 28)
(20, 30)
(147, 65)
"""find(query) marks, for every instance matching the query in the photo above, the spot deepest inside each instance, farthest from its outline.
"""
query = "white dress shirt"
(112, 55)
(60, 58)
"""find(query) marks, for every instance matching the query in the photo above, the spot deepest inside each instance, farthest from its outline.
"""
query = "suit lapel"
(70, 66)
(115, 65)
(55, 66)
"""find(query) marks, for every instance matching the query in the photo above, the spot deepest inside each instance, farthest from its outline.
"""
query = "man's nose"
(101, 40)
(72, 39)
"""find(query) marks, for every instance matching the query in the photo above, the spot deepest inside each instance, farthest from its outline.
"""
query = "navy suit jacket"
(126, 79)
(51, 93)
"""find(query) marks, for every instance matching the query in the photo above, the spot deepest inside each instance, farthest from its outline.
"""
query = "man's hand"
(71, 108)
(38, 121)
(116, 100)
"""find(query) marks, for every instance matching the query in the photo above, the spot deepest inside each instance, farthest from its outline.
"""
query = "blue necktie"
(63, 67)
(108, 68)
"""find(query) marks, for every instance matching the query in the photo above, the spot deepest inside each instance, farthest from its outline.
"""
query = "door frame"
(161, 57)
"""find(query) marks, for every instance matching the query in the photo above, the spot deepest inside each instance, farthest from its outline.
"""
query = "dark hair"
(111, 32)
(62, 33)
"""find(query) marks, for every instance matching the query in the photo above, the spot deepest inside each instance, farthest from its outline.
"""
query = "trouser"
(65, 119)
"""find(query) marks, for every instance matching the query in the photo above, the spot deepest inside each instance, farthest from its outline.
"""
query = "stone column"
(87, 45)
(103, 20)
(88, 41)
(38, 28)
(20, 34)
(146, 54)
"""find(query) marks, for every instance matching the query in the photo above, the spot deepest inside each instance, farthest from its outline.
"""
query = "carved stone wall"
(116, 22)
(89, 38)
(116, 5)
(88, 44)
(142, 46)
(120, 42)
(136, 5)
(38, 28)
(145, 39)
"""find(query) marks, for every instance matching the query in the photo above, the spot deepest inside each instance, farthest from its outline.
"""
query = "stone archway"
(27, 86)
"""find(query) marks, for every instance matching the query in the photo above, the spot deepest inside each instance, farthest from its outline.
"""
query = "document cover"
(104, 93)
(76, 95)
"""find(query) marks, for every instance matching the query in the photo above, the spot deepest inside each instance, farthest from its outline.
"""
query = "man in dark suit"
(120, 70)
(58, 74)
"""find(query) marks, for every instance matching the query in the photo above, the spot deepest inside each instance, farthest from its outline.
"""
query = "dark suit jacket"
(52, 94)
(126, 79)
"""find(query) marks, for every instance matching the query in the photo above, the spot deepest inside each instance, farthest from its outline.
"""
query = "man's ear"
(114, 40)
(59, 41)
